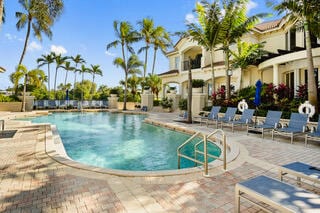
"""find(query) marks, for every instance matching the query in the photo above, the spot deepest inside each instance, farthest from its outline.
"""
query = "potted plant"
(114, 92)
(167, 104)
(197, 84)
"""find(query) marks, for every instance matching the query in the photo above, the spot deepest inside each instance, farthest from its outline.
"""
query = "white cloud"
(251, 5)
(58, 49)
(110, 54)
(190, 18)
(34, 46)
(10, 36)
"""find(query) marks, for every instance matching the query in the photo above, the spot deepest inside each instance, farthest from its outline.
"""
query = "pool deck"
(32, 181)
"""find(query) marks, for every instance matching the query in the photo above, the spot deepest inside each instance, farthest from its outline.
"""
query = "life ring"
(242, 105)
(309, 109)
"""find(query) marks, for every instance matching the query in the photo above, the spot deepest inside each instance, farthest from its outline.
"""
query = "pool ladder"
(217, 136)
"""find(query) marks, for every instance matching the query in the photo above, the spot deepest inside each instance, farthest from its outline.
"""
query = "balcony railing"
(195, 64)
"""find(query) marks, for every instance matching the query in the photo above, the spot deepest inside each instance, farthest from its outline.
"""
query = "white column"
(296, 80)
(276, 74)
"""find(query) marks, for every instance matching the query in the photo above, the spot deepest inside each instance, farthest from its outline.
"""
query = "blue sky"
(86, 27)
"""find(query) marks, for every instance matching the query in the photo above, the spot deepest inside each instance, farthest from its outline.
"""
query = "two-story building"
(285, 62)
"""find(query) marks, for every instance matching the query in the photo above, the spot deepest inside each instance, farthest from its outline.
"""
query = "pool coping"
(54, 148)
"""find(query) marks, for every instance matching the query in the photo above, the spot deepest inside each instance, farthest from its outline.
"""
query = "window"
(289, 80)
(292, 38)
(315, 76)
(176, 62)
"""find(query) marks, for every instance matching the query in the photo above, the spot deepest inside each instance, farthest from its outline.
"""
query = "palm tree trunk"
(312, 86)
(82, 87)
(24, 94)
(25, 42)
(74, 84)
(92, 86)
(154, 60)
(65, 79)
(240, 79)
(49, 79)
(125, 92)
(189, 92)
(228, 77)
(1, 11)
(55, 83)
(145, 62)
(213, 81)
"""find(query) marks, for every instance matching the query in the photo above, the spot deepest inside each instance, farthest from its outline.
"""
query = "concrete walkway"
(31, 181)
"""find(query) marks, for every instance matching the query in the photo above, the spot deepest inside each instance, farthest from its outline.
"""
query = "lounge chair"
(40, 104)
(52, 104)
(301, 171)
(314, 134)
(245, 119)
(297, 126)
(271, 122)
(228, 116)
(144, 108)
(63, 104)
(213, 114)
(278, 195)
(182, 117)
(104, 104)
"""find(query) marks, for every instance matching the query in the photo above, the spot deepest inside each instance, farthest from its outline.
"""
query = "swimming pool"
(120, 141)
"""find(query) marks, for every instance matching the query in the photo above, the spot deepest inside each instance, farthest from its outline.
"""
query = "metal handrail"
(185, 143)
(205, 151)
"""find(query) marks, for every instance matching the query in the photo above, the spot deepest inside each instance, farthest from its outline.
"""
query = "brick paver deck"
(30, 181)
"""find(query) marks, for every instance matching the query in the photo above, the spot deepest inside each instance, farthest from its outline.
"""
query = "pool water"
(121, 141)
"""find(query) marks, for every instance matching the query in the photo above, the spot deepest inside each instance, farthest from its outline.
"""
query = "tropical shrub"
(197, 83)
(156, 102)
(11, 98)
(282, 91)
(166, 102)
(183, 104)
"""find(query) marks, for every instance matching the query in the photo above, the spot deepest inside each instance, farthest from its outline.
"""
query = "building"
(285, 62)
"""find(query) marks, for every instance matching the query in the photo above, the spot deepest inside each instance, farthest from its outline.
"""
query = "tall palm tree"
(155, 84)
(236, 23)
(60, 61)
(82, 71)
(207, 32)
(38, 15)
(77, 60)
(33, 76)
(46, 60)
(245, 55)
(67, 66)
(125, 37)
(129, 67)
(306, 11)
(94, 70)
(146, 31)
(160, 39)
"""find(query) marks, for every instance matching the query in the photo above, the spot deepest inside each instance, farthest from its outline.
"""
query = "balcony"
(195, 64)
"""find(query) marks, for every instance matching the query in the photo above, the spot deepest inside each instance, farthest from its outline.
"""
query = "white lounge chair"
(278, 195)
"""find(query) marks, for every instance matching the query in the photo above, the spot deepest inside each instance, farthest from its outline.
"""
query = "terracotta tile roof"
(169, 72)
(268, 25)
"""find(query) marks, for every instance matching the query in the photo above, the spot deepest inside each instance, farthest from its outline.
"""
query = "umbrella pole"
(256, 118)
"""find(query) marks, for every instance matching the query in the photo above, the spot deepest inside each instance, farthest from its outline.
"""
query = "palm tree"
(207, 32)
(60, 61)
(246, 54)
(146, 31)
(160, 39)
(77, 60)
(46, 60)
(306, 11)
(67, 66)
(34, 76)
(40, 16)
(125, 37)
(94, 70)
(236, 23)
(155, 84)
(82, 71)
(129, 67)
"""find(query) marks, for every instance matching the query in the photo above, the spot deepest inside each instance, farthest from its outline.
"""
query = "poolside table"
(279, 195)
(301, 171)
